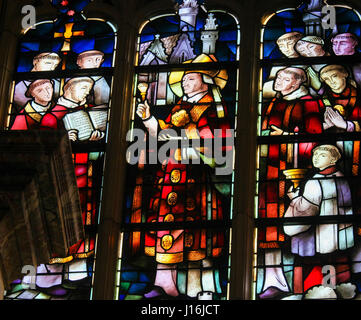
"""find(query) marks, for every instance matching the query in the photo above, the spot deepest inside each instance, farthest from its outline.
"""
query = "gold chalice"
(295, 175)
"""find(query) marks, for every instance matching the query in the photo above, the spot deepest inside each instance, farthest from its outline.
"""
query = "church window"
(308, 188)
(63, 80)
(175, 240)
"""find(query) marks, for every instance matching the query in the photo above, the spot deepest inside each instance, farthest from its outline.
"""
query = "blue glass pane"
(147, 37)
(232, 47)
(24, 65)
(129, 276)
(29, 46)
(137, 288)
(286, 15)
(228, 36)
(144, 277)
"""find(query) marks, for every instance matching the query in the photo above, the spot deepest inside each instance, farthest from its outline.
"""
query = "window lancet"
(63, 80)
(178, 210)
(308, 189)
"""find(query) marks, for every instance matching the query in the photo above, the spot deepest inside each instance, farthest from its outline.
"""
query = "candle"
(295, 151)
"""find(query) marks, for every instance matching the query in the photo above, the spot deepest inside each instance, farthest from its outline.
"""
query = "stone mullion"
(115, 165)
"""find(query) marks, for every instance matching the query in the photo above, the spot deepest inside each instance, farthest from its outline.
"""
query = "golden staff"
(136, 216)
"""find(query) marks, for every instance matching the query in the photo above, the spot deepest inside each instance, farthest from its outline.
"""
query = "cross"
(67, 35)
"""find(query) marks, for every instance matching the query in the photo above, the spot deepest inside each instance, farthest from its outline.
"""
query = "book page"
(80, 121)
(99, 118)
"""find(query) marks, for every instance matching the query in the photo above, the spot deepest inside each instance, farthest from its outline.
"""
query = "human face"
(91, 62)
(285, 83)
(308, 49)
(43, 94)
(287, 47)
(343, 45)
(322, 159)
(80, 91)
(336, 80)
(45, 64)
(192, 83)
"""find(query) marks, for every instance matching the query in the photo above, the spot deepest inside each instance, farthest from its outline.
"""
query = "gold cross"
(67, 35)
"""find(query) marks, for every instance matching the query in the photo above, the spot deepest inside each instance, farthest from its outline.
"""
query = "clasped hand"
(332, 118)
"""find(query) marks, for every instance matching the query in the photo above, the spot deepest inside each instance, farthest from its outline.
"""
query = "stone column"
(8, 41)
(245, 160)
(115, 163)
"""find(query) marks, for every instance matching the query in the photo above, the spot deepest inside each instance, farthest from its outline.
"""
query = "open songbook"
(87, 121)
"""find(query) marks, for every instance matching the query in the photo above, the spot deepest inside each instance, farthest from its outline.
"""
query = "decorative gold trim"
(196, 255)
(172, 198)
(169, 258)
(197, 111)
(166, 242)
(32, 113)
(71, 257)
(61, 260)
(175, 175)
(83, 255)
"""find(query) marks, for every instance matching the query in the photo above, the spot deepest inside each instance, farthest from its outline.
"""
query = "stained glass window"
(175, 237)
(63, 80)
(308, 175)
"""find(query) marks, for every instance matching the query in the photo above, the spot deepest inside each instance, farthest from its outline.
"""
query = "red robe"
(28, 118)
(303, 115)
(180, 192)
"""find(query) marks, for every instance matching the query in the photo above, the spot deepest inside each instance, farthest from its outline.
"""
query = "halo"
(219, 77)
